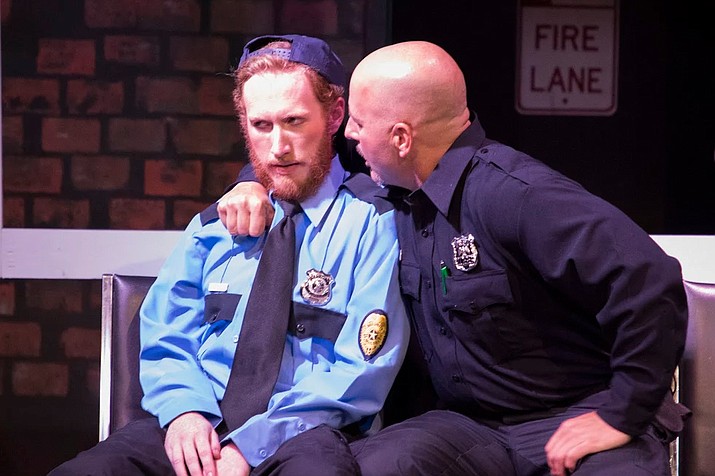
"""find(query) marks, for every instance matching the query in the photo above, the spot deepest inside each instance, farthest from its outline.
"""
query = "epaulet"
(209, 214)
(366, 190)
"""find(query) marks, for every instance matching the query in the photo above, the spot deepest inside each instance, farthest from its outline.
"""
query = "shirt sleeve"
(597, 257)
(351, 386)
(170, 331)
(245, 175)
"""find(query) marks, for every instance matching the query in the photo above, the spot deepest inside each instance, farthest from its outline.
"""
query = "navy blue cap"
(309, 51)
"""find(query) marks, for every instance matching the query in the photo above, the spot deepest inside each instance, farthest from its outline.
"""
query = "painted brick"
(243, 16)
(60, 213)
(132, 50)
(63, 296)
(316, 17)
(137, 135)
(219, 175)
(32, 174)
(40, 379)
(95, 97)
(195, 53)
(81, 343)
(99, 172)
(13, 209)
(12, 134)
(110, 13)
(70, 135)
(184, 211)
(20, 339)
(75, 57)
(169, 178)
(135, 214)
(169, 15)
(20, 95)
(216, 96)
(204, 136)
(167, 95)
(7, 298)
(6, 6)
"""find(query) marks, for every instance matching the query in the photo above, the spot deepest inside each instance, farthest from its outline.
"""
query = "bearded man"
(211, 317)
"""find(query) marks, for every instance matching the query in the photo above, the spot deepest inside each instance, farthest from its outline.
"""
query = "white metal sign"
(567, 57)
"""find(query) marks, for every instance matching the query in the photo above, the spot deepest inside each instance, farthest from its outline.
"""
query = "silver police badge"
(465, 252)
(317, 288)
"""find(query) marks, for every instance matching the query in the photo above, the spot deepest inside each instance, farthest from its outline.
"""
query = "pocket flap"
(220, 306)
(410, 280)
(472, 293)
(311, 321)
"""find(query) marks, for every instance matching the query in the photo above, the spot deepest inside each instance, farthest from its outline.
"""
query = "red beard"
(289, 189)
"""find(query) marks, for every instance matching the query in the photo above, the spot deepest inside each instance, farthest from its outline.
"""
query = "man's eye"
(294, 121)
(261, 125)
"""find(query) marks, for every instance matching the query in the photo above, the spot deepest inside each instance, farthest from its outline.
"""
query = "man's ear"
(336, 114)
(401, 138)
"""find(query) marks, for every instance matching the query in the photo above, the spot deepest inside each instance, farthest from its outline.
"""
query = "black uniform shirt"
(568, 296)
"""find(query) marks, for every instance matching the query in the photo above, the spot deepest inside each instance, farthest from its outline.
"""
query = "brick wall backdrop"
(115, 114)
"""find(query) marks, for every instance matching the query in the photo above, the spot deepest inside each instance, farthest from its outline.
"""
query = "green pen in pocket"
(444, 272)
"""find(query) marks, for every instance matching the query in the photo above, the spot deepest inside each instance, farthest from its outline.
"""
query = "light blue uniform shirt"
(186, 362)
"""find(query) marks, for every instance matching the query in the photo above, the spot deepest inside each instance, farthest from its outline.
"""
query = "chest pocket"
(472, 293)
(220, 306)
(310, 321)
(481, 308)
(410, 280)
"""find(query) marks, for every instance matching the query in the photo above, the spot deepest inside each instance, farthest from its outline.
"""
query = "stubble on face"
(376, 178)
(373, 173)
(287, 187)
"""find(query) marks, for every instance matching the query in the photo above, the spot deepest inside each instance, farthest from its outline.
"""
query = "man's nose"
(279, 143)
(350, 129)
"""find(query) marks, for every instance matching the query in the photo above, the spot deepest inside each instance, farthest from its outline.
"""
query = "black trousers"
(138, 449)
(446, 443)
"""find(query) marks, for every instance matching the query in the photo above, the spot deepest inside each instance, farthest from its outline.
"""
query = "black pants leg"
(322, 451)
(446, 443)
(644, 455)
(137, 449)
(435, 443)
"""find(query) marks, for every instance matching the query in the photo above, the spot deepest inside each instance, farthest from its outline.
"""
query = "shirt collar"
(440, 186)
(316, 206)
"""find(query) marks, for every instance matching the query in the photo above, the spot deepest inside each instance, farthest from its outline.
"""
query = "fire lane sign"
(567, 57)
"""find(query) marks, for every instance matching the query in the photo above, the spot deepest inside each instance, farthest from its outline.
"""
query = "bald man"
(549, 322)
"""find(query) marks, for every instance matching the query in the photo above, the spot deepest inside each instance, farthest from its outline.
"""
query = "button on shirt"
(568, 296)
(185, 362)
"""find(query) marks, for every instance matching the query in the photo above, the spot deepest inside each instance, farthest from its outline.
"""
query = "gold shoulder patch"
(373, 333)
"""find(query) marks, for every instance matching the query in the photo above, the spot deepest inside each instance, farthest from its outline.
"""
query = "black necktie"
(265, 324)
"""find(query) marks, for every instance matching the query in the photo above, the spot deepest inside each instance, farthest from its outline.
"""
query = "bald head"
(414, 81)
(408, 104)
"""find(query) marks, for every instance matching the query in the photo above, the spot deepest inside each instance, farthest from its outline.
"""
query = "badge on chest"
(317, 287)
(464, 252)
